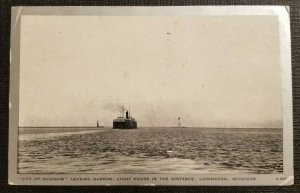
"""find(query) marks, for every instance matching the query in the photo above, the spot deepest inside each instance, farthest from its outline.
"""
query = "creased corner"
(18, 15)
(288, 182)
(11, 183)
(287, 9)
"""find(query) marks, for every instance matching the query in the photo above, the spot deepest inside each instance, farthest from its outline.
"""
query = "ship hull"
(126, 124)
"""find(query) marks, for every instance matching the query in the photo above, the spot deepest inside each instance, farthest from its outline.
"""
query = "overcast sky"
(212, 71)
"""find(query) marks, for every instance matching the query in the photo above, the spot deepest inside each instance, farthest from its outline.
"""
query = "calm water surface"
(150, 150)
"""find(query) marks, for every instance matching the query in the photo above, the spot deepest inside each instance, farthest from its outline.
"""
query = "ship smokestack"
(127, 115)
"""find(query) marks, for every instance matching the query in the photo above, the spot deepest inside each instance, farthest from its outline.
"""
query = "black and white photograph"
(163, 96)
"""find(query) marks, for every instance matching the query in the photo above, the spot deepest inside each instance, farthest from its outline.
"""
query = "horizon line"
(153, 126)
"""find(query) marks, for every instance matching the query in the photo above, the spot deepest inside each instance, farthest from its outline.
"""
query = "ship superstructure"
(127, 122)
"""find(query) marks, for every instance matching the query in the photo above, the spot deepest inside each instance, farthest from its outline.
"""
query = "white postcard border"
(286, 178)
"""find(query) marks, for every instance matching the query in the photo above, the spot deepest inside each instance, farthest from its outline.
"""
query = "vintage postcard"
(151, 96)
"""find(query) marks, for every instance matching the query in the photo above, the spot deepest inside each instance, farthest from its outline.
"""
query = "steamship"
(127, 122)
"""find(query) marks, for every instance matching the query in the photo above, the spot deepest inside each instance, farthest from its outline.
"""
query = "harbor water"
(150, 150)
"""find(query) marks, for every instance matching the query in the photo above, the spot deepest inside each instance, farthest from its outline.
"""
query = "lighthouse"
(178, 123)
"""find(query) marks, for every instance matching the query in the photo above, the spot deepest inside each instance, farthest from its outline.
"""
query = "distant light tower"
(179, 123)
